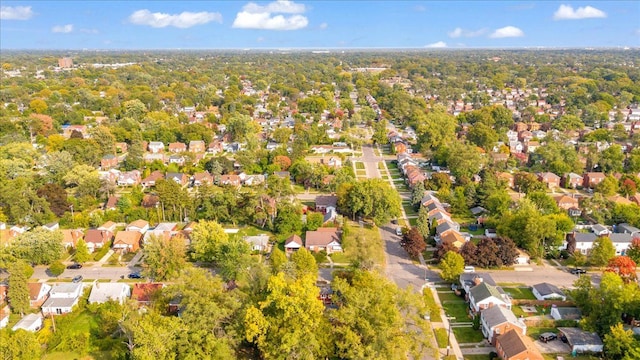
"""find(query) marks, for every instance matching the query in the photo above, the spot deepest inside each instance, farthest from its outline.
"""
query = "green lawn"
(449, 296)
(534, 332)
(413, 221)
(519, 293)
(430, 303)
(474, 232)
(478, 357)
(409, 210)
(359, 165)
(441, 337)
(457, 309)
(339, 258)
(392, 165)
(466, 335)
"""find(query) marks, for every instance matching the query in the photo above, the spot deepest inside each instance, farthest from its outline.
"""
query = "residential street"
(88, 272)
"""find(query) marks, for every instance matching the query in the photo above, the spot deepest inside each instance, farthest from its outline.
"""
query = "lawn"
(363, 244)
(466, 335)
(392, 165)
(449, 296)
(441, 337)
(478, 357)
(519, 293)
(413, 221)
(340, 258)
(457, 309)
(408, 209)
(359, 165)
(534, 332)
(430, 303)
(474, 232)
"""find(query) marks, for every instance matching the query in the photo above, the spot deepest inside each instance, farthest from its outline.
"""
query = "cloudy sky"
(316, 24)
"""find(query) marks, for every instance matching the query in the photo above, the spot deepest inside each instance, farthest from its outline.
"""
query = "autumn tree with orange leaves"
(623, 266)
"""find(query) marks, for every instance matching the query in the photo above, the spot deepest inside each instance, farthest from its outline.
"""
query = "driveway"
(539, 274)
(553, 347)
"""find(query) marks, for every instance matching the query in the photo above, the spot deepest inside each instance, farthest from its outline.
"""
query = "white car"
(469, 269)
(399, 231)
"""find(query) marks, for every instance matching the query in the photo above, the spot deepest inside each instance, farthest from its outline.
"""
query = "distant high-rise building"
(65, 62)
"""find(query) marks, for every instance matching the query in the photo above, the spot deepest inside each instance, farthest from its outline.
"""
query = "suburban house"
(70, 237)
(177, 147)
(230, 179)
(196, 146)
(38, 293)
(515, 346)
(139, 225)
(584, 241)
(326, 202)
(126, 241)
(112, 203)
(507, 178)
(108, 226)
(600, 230)
(591, 179)
(546, 291)
(469, 280)
(129, 178)
(151, 180)
(292, 244)
(96, 239)
(327, 239)
(108, 161)
(572, 180)
(259, 242)
(163, 230)
(143, 292)
(566, 202)
(565, 313)
(5, 312)
(202, 178)
(498, 320)
(62, 298)
(103, 292)
(550, 179)
(454, 238)
(180, 178)
(581, 341)
(621, 242)
(31, 322)
(484, 296)
(156, 147)
(625, 228)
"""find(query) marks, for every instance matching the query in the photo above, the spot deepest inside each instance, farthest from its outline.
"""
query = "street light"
(449, 335)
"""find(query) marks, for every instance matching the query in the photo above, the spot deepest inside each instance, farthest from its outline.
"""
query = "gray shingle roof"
(484, 291)
(497, 315)
(547, 289)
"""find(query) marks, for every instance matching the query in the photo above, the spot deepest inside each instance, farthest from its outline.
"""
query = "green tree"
(417, 193)
(601, 252)
(452, 265)
(82, 252)
(314, 221)
(19, 344)
(278, 260)
(152, 336)
(422, 223)
(39, 246)
(608, 186)
(634, 250)
(380, 132)
(372, 198)
(56, 268)
(288, 220)
(18, 292)
(206, 239)
(164, 257)
(304, 263)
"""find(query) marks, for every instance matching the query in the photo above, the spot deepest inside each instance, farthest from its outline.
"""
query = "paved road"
(88, 272)
(370, 161)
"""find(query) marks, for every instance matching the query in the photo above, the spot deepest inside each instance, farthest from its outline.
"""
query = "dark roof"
(569, 313)
(468, 278)
(576, 336)
(326, 200)
(620, 238)
(484, 291)
(497, 315)
(626, 228)
(547, 289)
(585, 237)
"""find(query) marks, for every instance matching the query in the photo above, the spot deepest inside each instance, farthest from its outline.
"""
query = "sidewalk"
(105, 258)
(135, 259)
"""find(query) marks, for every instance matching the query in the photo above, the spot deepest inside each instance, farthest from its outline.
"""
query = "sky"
(285, 24)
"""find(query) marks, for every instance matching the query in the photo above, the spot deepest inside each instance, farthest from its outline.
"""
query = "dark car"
(75, 266)
(135, 276)
(548, 336)
(578, 271)
(77, 279)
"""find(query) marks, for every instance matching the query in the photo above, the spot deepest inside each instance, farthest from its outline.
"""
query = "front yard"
(523, 293)
(466, 335)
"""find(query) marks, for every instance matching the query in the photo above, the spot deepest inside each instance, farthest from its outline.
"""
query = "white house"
(565, 313)
(139, 225)
(546, 291)
(31, 322)
(584, 242)
(581, 341)
(62, 298)
(497, 320)
(484, 296)
(156, 146)
(4, 317)
(103, 292)
(621, 242)
(258, 243)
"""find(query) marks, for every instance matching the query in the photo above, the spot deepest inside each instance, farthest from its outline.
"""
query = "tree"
(442, 249)
(23, 345)
(468, 251)
(487, 253)
(289, 321)
(417, 193)
(56, 268)
(206, 239)
(618, 342)
(152, 336)
(38, 106)
(18, 292)
(288, 220)
(413, 242)
(39, 246)
(164, 257)
(304, 263)
(452, 265)
(314, 220)
(634, 250)
(56, 196)
(624, 266)
(278, 260)
(507, 251)
(602, 251)
(422, 224)
(372, 198)
(82, 252)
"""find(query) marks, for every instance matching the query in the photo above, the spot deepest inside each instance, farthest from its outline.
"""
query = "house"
(143, 293)
(126, 241)
(572, 180)
(151, 180)
(566, 202)
(196, 146)
(177, 159)
(62, 298)
(584, 241)
(31, 322)
(139, 225)
(621, 242)
(164, 230)
(546, 291)
(96, 239)
(129, 178)
(515, 346)
(70, 237)
(469, 280)
(591, 179)
(600, 230)
(454, 238)
(109, 161)
(552, 180)
(121, 147)
(625, 228)
(4, 316)
(326, 202)
(498, 320)
(565, 313)
(108, 226)
(327, 239)
(292, 244)
(180, 178)
(581, 341)
(507, 178)
(103, 292)
(259, 242)
(484, 296)
(202, 178)
(38, 293)
(251, 180)
(177, 147)
(112, 203)
(232, 180)
(156, 147)
(490, 233)
(52, 226)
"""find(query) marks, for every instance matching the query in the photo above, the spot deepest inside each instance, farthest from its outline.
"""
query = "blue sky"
(316, 24)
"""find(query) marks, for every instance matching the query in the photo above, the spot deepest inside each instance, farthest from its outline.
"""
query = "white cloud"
(254, 16)
(64, 29)
(566, 12)
(324, 26)
(507, 32)
(460, 32)
(183, 20)
(437, 45)
(15, 12)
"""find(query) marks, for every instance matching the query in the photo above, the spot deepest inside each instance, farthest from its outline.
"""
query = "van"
(469, 269)
(399, 231)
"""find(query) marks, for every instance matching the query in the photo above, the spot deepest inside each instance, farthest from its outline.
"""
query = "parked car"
(469, 269)
(578, 271)
(75, 266)
(77, 279)
(548, 336)
(135, 276)
(399, 231)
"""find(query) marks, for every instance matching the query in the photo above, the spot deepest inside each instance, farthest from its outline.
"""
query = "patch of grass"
(102, 251)
(519, 293)
(457, 309)
(363, 244)
(432, 307)
(409, 210)
(474, 232)
(535, 332)
(466, 335)
(359, 165)
(449, 296)
(478, 357)
(380, 166)
(442, 337)
(339, 258)
(413, 221)
(128, 256)
(510, 284)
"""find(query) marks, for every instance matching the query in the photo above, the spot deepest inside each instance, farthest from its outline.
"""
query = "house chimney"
(477, 280)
